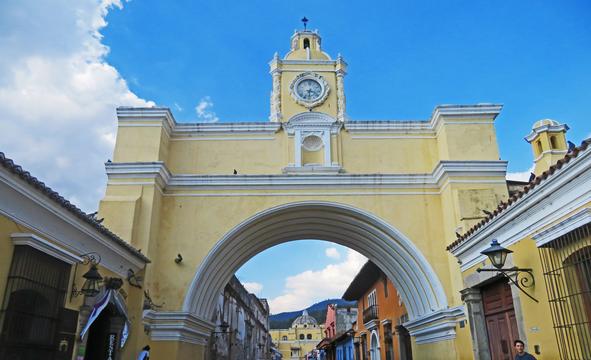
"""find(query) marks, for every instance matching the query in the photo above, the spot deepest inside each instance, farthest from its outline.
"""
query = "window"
(539, 144)
(553, 144)
(284, 338)
(566, 262)
(385, 280)
(301, 336)
(33, 305)
(371, 298)
(306, 43)
(309, 336)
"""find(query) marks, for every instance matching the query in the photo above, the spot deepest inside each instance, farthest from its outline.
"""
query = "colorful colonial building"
(299, 339)
(379, 329)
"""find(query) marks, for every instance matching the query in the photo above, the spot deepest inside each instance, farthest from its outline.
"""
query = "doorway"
(501, 324)
(104, 335)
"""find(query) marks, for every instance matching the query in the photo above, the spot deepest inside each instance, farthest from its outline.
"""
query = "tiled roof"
(517, 196)
(60, 200)
(365, 278)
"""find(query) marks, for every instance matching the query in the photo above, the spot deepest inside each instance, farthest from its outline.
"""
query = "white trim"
(436, 326)
(28, 207)
(567, 225)
(392, 251)
(226, 138)
(438, 178)
(45, 246)
(545, 128)
(568, 189)
(551, 152)
(177, 326)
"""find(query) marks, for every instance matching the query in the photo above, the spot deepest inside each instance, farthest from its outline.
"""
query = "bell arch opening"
(419, 287)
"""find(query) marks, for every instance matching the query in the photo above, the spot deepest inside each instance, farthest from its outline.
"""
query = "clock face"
(309, 90)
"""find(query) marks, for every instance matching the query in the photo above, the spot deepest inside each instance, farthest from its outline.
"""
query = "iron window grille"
(566, 263)
(33, 303)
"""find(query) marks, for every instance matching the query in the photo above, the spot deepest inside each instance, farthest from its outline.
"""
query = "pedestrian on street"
(145, 353)
(521, 353)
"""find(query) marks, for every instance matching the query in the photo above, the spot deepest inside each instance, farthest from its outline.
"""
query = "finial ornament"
(305, 21)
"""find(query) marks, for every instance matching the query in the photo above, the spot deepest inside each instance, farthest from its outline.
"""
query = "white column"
(297, 146)
(326, 140)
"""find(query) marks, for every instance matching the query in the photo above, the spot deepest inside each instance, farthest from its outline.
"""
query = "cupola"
(548, 141)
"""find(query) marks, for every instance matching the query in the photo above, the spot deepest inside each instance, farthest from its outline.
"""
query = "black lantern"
(92, 283)
(497, 254)
(520, 277)
(92, 278)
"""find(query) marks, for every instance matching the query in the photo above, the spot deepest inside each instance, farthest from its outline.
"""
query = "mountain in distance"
(317, 311)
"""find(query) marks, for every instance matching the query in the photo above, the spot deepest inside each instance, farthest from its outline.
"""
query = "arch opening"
(413, 277)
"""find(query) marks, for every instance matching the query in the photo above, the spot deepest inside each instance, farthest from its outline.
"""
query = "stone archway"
(418, 285)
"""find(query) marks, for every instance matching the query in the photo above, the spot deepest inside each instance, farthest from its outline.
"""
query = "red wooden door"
(501, 324)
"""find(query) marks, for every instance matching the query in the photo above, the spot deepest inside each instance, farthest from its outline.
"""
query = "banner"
(98, 307)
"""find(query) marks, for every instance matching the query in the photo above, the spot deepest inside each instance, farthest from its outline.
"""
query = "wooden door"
(501, 323)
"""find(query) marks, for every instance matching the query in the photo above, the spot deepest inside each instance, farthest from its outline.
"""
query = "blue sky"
(67, 64)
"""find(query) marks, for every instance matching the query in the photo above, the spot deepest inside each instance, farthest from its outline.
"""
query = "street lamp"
(93, 278)
(520, 277)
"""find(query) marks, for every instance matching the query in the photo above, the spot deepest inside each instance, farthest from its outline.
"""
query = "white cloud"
(204, 112)
(308, 287)
(332, 253)
(521, 176)
(58, 94)
(253, 287)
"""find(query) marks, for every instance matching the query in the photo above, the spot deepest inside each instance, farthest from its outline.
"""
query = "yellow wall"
(293, 340)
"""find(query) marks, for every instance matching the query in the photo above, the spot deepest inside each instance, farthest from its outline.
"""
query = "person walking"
(145, 353)
(521, 353)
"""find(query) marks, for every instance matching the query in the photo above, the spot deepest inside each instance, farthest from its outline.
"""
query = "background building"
(381, 313)
(300, 339)
(242, 326)
(338, 334)
(547, 226)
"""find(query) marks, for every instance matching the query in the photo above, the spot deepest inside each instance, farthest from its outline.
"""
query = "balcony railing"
(371, 313)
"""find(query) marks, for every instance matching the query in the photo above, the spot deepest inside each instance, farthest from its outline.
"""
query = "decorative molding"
(177, 326)
(45, 246)
(580, 218)
(31, 209)
(551, 152)
(436, 326)
(568, 189)
(403, 263)
(545, 128)
(321, 176)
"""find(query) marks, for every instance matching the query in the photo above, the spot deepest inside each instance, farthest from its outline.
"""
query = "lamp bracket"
(522, 278)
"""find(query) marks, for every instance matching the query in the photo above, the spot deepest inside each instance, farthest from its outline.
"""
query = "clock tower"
(306, 79)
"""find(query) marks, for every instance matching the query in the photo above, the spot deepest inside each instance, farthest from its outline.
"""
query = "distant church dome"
(545, 122)
(304, 320)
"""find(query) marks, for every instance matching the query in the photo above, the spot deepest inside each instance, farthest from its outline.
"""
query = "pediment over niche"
(311, 121)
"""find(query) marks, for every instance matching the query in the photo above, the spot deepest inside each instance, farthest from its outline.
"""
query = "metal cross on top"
(305, 21)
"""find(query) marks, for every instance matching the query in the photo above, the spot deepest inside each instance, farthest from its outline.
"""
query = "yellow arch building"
(220, 193)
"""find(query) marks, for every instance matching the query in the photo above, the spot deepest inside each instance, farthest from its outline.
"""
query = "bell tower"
(548, 141)
(307, 79)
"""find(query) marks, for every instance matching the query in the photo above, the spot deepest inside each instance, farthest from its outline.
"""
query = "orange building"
(379, 333)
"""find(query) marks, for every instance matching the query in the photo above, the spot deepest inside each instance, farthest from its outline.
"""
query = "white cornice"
(546, 128)
(568, 189)
(436, 326)
(45, 246)
(442, 114)
(567, 225)
(437, 179)
(28, 207)
(177, 326)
